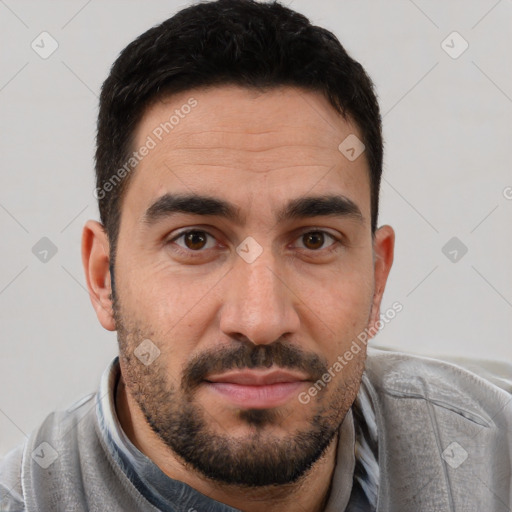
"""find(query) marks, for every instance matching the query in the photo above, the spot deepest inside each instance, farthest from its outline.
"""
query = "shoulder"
(443, 430)
(462, 385)
(11, 494)
(12, 464)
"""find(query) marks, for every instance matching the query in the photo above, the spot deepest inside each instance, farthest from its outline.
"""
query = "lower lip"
(257, 397)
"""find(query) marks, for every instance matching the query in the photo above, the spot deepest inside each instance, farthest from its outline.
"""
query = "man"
(239, 156)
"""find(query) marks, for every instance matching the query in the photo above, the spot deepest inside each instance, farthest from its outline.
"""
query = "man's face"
(247, 311)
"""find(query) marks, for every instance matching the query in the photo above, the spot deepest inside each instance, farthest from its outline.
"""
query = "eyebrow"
(302, 207)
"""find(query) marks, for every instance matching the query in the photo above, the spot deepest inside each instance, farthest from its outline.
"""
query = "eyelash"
(194, 254)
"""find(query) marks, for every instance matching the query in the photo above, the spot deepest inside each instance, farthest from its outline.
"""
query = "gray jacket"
(444, 444)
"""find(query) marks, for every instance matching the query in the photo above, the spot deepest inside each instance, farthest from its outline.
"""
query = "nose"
(259, 301)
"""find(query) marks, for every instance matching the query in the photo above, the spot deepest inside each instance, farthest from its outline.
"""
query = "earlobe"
(95, 260)
(383, 248)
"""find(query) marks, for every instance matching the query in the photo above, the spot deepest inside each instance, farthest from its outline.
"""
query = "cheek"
(151, 294)
(173, 309)
(342, 309)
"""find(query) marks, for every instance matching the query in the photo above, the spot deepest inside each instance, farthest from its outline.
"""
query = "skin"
(258, 151)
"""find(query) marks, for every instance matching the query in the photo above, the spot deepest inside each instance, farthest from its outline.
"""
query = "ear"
(383, 251)
(96, 259)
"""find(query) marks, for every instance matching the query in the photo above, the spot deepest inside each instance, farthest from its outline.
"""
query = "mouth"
(253, 389)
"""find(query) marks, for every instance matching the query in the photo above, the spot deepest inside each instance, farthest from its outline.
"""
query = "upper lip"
(257, 378)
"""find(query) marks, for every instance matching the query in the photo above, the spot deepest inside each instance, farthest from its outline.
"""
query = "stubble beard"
(257, 459)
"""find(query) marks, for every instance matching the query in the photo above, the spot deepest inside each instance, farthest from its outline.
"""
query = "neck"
(311, 492)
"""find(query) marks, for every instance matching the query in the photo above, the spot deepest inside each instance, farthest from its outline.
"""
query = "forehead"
(230, 115)
(247, 146)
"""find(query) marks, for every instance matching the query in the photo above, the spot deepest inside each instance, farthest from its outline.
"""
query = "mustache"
(249, 355)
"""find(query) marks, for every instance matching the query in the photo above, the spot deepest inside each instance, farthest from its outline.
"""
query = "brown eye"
(314, 240)
(195, 240)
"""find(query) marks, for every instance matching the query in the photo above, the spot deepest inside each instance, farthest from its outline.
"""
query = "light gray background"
(447, 128)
